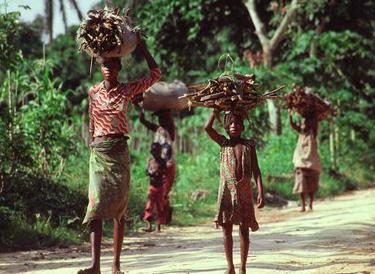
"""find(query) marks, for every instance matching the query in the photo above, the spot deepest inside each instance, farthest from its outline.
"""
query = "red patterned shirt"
(108, 108)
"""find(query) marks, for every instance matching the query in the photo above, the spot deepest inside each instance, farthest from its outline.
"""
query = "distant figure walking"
(156, 170)
(165, 134)
(306, 158)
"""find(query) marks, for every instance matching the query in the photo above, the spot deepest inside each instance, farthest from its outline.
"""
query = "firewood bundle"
(302, 102)
(107, 34)
(228, 92)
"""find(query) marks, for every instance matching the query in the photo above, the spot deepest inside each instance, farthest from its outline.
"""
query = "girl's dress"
(155, 197)
(235, 198)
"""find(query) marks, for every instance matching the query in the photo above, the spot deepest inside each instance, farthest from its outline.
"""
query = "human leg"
(118, 237)
(167, 187)
(149, 208)
(96, 230)
(160, 216)
(228, 247)
(244, 246)
(311, 194)
(303, 205)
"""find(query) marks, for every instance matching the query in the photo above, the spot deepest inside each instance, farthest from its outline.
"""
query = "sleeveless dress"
(307, 164)
(235, 198)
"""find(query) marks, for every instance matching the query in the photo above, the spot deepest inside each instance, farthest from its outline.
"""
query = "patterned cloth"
(306, 180)
(235, 199)
(162, 137)
(108, 108)
(109, 180)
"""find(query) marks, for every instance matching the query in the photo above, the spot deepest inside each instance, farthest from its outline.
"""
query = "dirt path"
(338, 237)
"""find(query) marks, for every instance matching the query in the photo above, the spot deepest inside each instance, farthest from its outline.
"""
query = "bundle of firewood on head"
(229, 92)
(304, 101)
(105, 33)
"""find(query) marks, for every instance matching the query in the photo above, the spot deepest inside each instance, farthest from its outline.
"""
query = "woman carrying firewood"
(306, 158)
(165, 133)
(109, 160)
(238, 163)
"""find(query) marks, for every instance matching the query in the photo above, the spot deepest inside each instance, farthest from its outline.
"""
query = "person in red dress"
(156, 170)
(165, 133)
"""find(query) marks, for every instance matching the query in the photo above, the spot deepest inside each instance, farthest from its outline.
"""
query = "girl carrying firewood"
(238, 164)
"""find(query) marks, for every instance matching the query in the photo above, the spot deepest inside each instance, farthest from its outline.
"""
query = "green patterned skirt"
(109, 180)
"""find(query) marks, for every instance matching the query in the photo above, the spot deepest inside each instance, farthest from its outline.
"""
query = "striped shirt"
(108, 108)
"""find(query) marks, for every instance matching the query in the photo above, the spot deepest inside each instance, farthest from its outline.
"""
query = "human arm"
(258, 177)
(146, 54)
(147, 168)
(91, 120)
(293, 124)
(147, 124)
(316, 124)
(208, 127)
(141, 85)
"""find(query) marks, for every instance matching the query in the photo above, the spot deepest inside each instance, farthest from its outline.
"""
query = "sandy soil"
(338, 237)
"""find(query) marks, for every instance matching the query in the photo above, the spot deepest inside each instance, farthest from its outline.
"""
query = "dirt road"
(338, 237)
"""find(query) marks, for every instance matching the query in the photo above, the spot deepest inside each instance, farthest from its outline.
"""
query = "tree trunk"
(274, 112)
(332, 146)
(269, 45)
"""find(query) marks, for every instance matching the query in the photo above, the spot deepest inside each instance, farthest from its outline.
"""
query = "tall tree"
(269, 45)
(49, 15)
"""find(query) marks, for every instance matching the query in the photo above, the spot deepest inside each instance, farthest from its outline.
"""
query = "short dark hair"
(162, 112)
(227, 118)
(156, 144)
(102, 60)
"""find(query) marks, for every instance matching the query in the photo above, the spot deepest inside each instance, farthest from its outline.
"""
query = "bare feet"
(116, 269)
(230, 271)
(242, 271)
(149, 227)
(302, 209)
(90, 270)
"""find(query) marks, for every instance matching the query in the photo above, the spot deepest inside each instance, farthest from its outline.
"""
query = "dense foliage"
(43, 104)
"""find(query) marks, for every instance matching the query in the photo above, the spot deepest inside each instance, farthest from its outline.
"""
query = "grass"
(17, 234)
(198, 172)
